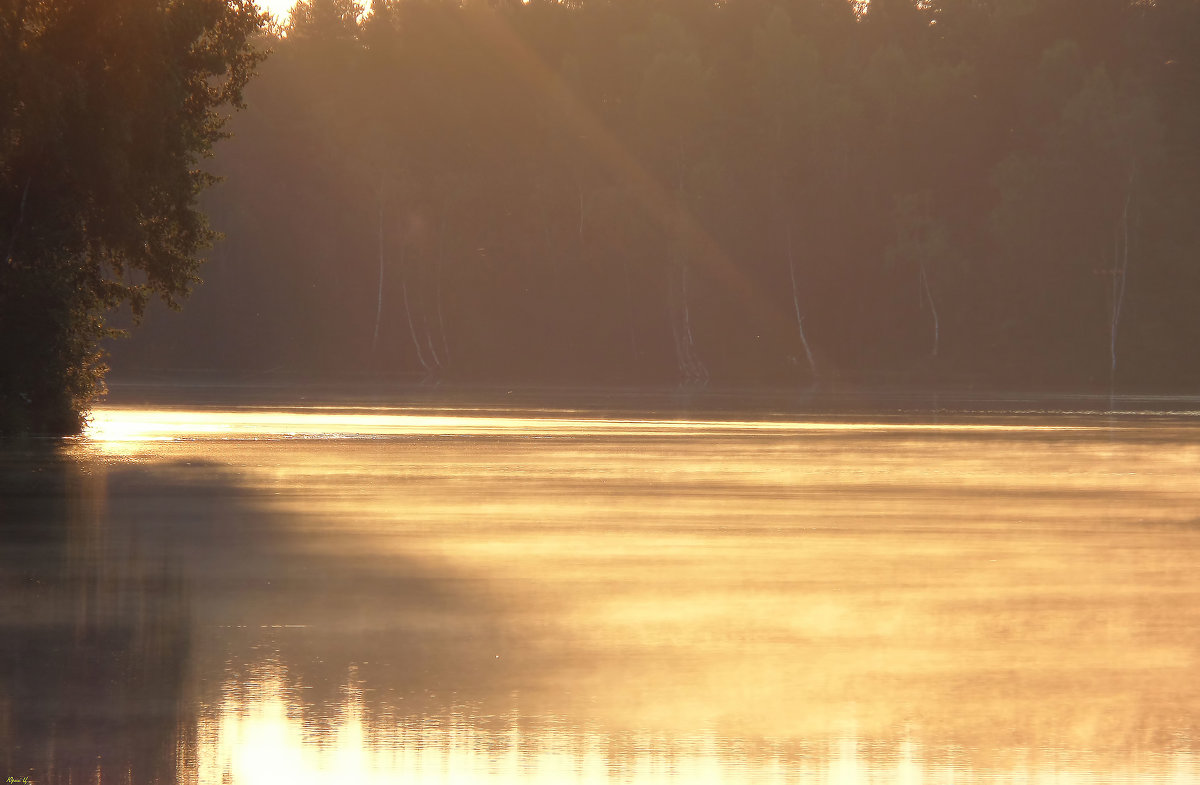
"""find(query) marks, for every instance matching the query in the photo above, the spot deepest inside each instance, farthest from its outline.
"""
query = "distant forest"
(950, 192)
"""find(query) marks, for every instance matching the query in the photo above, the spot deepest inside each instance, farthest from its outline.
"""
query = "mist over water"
(303, 594)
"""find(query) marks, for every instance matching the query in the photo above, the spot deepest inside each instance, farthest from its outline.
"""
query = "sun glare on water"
(262, 738)
(135, 425)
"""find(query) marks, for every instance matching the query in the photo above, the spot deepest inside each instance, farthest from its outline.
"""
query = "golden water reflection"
(257, 736)
(496, 596)
(115, 425)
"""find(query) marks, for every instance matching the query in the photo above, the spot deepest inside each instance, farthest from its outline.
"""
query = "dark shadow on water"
(132, 596)
(94, 641)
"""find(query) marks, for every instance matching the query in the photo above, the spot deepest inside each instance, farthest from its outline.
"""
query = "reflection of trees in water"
(134, 596)
(94, 636)
(415, 705)
(433, 739)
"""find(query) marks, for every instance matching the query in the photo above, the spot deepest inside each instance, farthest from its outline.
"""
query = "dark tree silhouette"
(105, 110)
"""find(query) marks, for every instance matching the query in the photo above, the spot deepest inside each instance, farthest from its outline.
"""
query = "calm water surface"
(380, 595)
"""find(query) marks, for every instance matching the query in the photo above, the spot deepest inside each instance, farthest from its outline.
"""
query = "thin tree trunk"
(673, 312)
(1120, 271)
(437, 362)
(692, 366)
(379, 299)
(428, 333)
(932, 310)
(546, 240)
(696, 369)
(12, 241)
(633, 342)
(687, 310)
(812, 363)
(437, 292)
(579, 187)
(412, 327)
(673, 286)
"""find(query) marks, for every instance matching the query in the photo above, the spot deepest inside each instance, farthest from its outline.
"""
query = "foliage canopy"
(106, 108)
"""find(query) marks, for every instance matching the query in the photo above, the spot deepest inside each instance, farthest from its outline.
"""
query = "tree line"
(748, 191)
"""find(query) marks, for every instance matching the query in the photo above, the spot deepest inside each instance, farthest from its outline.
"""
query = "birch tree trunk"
(629, 310)
(379, 299)
(412, 327)
(673, 297)
(928, 293)
(437, 293)
(692, 367)
(697, 372)
(16, 230)
(1119, 273)
(812, 363)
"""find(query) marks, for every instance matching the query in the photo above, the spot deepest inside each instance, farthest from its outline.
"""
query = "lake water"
(369, 595)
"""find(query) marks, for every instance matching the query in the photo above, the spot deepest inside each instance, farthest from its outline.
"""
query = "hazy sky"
(278, 7)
